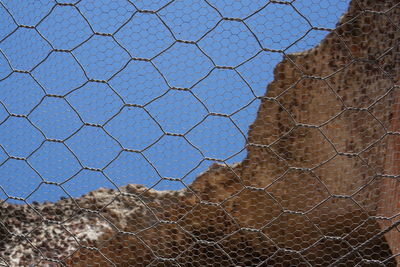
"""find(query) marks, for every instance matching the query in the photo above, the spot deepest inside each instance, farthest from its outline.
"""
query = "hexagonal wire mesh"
(213, 140)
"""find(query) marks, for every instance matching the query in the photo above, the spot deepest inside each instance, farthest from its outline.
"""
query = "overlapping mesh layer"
(210, 133)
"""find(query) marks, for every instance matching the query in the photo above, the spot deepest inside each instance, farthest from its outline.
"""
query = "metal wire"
(103, 44)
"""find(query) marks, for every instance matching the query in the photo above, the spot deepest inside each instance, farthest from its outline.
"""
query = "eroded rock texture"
(319, 186)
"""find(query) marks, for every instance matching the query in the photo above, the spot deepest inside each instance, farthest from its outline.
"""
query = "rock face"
(320, 184)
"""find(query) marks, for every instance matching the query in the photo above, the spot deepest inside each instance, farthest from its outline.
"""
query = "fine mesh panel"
(199, 133)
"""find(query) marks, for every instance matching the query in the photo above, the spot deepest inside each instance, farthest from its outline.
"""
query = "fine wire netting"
(199, 133)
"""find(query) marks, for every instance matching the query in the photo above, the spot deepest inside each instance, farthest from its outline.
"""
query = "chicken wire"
(295, 166)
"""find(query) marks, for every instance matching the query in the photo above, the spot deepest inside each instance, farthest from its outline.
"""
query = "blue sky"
(97, 93)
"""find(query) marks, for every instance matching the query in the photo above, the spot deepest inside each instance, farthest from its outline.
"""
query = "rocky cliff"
(319, 185)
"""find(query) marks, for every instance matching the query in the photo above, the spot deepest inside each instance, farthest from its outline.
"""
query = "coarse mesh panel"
(199, 133)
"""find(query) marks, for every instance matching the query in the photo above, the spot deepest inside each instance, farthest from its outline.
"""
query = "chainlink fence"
(203, 134)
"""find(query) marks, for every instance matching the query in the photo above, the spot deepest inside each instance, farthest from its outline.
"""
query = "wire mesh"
(199, 133)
